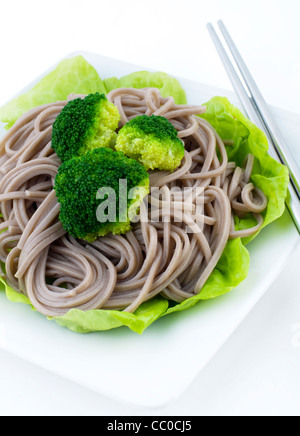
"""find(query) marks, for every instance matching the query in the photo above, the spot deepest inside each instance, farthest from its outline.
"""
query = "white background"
(257, 371)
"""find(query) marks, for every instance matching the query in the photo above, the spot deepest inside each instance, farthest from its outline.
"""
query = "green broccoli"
(100, 193)
(85, 124)
(153, 141)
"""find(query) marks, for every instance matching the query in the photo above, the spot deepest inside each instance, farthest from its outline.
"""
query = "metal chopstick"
(253, 112)
(279, 142)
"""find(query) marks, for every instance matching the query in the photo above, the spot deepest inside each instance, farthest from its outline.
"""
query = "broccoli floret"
(85, 124)
(153, 141)
(88, 213)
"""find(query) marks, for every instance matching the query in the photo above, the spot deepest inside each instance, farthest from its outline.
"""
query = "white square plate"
(153, 369)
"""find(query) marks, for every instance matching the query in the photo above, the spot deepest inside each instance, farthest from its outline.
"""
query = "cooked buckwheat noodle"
(171, 252)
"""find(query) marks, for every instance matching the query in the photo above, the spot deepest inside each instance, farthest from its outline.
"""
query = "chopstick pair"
(258, 112)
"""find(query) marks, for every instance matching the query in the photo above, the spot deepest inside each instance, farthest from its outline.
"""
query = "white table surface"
(257, 370)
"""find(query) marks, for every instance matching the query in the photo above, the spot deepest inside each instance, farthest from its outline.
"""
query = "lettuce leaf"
(231, 270)
(271, 177)
(74, 75)
(268, 175)
(100, 320)
(168, 86)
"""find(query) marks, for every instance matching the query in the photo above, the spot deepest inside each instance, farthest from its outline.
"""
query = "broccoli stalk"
(85, 124)
(153, 141)
(83, 187)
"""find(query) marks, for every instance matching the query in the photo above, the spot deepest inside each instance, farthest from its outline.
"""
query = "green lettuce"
(233, 267)
(74, 75)
(168, 86)
(268, 175)
(230, 271)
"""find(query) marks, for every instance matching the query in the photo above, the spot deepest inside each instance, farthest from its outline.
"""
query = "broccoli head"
(153, 141)
(85, 124)
(99, 193)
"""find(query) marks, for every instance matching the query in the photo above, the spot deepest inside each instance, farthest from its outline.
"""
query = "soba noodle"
(159, 255)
